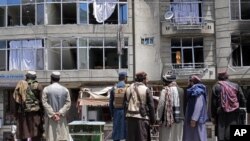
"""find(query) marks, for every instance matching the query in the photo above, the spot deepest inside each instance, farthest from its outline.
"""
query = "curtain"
(186, 11)
(23, 55)
(103, 9)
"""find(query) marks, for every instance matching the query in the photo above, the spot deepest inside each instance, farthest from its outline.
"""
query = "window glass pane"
(54, 57)
(13, 15)
(2, 17)
(96, 58)
(3, 2)
(123, 13)
(2, 44)
(54, 16)
(40, 14)
(234, 9)
(69, 59)
(111, 58)
(245, 9)
(16, 2)
(28, 14)
(83, 58)
(175, 42)
(83, 13)
(124, 58)
(69, 13)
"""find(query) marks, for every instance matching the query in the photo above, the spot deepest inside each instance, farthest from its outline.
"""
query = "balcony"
(184, 70)
(170, 28)
(187, 17)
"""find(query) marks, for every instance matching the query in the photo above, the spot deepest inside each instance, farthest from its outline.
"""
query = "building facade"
(91, 41)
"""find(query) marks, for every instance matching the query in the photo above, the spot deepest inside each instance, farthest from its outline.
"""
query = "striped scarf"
(172, 104)
(229, 100)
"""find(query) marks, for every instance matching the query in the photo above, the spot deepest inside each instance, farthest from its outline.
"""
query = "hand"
(193, 123)
(56, 117)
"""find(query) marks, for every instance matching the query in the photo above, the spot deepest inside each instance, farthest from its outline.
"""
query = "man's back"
(56, 95)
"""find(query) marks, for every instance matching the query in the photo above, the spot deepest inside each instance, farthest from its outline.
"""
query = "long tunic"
(225, 119)
(175, 132)
(30, 124)
(199, 114)
(138, 126)
(56, 98)
(118, 114)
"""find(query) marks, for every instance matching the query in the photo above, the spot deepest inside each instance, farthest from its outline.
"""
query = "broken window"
(103, 52)
(53, 11)
(14, 15)
(118, 16)
(2, 16)
(240, 50)
(28, 14)
(69, 54)
(240, 9)
(187, 52)
(69, 13)
(96, 53)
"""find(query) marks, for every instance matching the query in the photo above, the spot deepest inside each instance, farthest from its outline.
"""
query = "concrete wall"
(147, 24)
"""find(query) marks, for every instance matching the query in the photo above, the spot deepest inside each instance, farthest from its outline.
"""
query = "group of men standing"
(38, 108)
(181, 115)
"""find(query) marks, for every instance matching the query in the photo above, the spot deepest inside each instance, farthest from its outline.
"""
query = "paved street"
(210, 132)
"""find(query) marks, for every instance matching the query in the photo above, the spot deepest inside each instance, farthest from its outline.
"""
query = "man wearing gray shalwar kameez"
(56, 102)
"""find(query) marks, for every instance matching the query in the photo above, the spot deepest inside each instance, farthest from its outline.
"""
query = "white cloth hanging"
(186, 11)
(103, 9)
(23, 54)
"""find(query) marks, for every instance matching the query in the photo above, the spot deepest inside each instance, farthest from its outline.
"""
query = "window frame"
(182, 48)
(239, 12)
